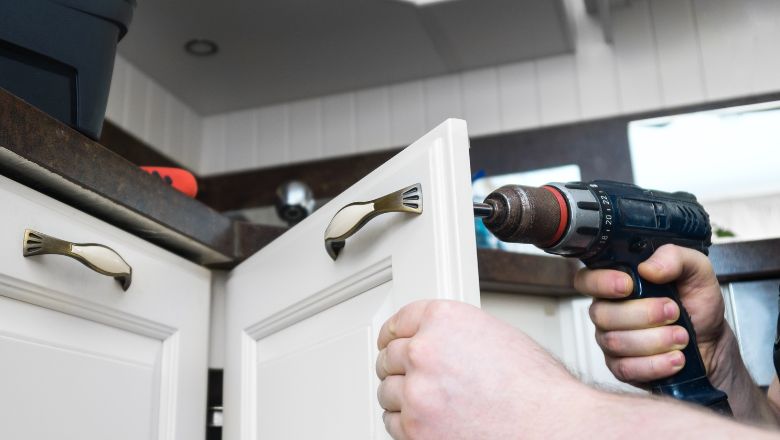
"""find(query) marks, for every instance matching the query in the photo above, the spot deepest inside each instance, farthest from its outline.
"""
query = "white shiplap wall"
(143, 108)
(666, 53)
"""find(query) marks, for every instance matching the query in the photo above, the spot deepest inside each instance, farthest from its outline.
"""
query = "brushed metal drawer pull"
(97, 257)
(349, 219)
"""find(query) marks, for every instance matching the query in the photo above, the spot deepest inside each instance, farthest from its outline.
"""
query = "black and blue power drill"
(613, 225)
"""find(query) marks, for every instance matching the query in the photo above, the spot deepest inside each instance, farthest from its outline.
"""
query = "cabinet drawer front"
(143, 350)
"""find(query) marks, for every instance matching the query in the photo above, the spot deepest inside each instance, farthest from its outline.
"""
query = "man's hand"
(451, 371)
(640, 345)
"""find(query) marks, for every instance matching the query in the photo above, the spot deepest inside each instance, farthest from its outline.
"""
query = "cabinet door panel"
(301, 327)
(56, 372)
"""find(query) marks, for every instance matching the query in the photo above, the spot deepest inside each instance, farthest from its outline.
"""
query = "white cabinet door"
(79, 357)
(301, 327)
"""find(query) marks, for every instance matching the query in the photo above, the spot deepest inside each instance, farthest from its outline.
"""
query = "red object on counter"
(180, 179)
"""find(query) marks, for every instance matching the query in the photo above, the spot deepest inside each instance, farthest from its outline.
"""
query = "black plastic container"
(58, 55)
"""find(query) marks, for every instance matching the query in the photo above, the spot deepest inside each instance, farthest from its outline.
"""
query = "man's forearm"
(748, 402)
(608, 415)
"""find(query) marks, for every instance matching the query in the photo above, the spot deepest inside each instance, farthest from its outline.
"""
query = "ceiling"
(280, 50)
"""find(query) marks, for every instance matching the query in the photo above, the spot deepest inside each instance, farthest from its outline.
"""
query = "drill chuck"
(560, 218)
(523, 214)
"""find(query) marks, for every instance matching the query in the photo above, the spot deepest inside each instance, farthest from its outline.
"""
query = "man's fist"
(638, 341)
(451, 371)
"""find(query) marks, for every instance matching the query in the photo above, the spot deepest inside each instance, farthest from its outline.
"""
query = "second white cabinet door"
(302, 327)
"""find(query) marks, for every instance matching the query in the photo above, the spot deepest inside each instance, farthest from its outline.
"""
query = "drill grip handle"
(690, 384)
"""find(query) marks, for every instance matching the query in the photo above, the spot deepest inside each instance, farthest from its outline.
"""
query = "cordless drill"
(613, 225)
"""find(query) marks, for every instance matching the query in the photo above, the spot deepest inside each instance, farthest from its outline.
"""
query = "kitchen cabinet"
(80, 357)
(84, 359)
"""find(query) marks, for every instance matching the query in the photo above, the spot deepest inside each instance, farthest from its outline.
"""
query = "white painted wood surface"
(480, 101)
(538, 316)
(679, 60)
(149, 112)
(562, 326)
(666, 53)
(301, 328)
(84, 359)
(372, 111)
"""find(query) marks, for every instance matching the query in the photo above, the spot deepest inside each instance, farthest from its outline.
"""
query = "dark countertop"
(49, 156)
(506, 271)
(42, 153)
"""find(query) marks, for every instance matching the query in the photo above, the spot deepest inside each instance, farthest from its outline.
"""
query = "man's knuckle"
(612, 341)
(411, 425)
(416, 352)
(625, 371)
(594, 311)
(421, 399)
(612, 365)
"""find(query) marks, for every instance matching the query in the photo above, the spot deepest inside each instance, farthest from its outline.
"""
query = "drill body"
(613, 225)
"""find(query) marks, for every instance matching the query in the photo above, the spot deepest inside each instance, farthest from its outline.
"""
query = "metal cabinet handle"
(354, 216)
(97, 257)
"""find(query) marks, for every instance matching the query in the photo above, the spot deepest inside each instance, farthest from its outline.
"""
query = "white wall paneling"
(240, 139)
(407, 112)
(214, 141)
(725, 50)
(174, 116)
(738, 46)
(518, 96)
(190, 150)
(665, 53)
(373, 119)
(339, 134)
(558, 92)
(677, 45)
(480, 101)
(136, 94)
(765, 19)
(154, 125)
(143, 108)
(595, 64)
(273, 135)
(442, 99)
(638, 78)
(305, 130)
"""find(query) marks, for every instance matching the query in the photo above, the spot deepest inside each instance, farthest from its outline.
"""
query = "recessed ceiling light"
(201, 47)
(423, 2)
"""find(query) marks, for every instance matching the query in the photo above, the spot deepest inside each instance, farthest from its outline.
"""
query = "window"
(729, 158)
